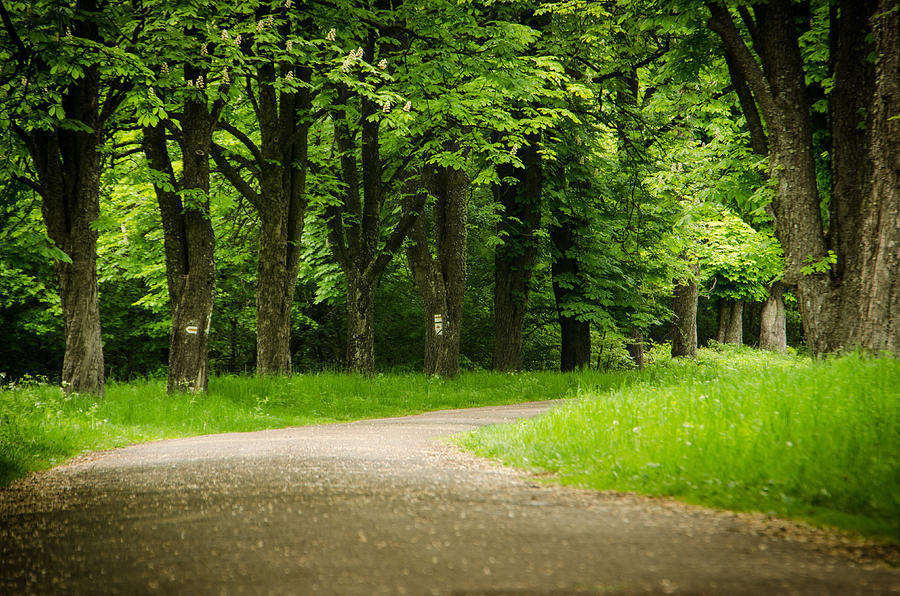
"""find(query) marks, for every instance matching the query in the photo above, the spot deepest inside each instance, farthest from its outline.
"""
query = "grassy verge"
(815, 440)
(40, 427)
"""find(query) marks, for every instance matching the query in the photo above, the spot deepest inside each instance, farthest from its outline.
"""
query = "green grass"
(742, 430)
(40, 427)
(737, 429)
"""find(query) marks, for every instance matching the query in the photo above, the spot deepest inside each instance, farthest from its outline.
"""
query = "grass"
(741, 430)
(40, 427)
(736, 429)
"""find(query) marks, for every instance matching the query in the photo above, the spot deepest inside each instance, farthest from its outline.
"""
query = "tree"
(267, 52)
(737, 264)
(841, 273)
(64, 76)
(441, 276)
(184, 203)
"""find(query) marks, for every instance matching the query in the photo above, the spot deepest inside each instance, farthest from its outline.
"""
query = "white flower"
(225, 78)
(225, 35)
(359, 53)
(200, 82)
(287, 4)
(387, 107)
(407, 107)
(290, 75)
(260, 25)
(68, 32)
(204, 51)
(290, 45)
(237, 40)
(514, 150)
(165, 68)
(331, 34)
(382, 64)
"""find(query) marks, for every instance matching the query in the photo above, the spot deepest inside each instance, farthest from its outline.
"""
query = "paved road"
(376, 507)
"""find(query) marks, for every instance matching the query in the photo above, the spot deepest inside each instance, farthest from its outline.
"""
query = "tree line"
(626, 157)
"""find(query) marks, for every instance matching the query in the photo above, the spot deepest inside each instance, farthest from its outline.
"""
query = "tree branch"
(234, 177)
(722, 23)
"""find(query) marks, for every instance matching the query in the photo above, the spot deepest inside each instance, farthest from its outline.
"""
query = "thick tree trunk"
(575, 335)
(731, 324)
(780, 90)
(360, 355)
(68, 168)
(189, 245)
(773, 321)
(282, 207)
(876, 324)
(442, 280)
(684, 309)
(514, 259)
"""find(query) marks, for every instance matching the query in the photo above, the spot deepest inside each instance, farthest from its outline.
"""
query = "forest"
(196, 187)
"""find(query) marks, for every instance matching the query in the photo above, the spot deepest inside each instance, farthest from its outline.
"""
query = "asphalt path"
(378, 507)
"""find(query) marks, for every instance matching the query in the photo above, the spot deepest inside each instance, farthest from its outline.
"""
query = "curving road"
(377, 507)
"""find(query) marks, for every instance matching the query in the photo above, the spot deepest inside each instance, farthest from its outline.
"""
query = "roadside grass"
(41, 427)
(817, 440)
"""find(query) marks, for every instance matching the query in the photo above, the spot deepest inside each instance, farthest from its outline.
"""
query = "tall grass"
(818, 440)
(40, 426)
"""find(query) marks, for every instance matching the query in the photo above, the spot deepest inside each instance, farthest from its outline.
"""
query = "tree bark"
(731, 324)
(67, 163)
(779, 88)
(575, 335)
(189, 243)
(773, 321)
(279, 166)
(441, 279)
(635, 348)
(684, 309)
(355, 235)
(876, 324)
(514, 259)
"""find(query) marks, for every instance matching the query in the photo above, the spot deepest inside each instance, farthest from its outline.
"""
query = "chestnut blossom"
(382, 64)
(387, 107)
(407, 106)
(290, 45)
(331, 35)
(225, 78)
(514, 150)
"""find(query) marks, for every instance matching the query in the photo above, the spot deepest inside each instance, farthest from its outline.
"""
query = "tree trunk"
(67, 163)
(279, 166)
(780, 89)
(575, 335)
(876, 324)
(635, 348)
(189, 243)
(773, 322)
(360, 355)
(684, 309)
(731, 324)
(442, 280)
(515, 258)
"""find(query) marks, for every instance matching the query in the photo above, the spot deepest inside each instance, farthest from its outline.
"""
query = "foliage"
(741, 429)
(737, 262)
